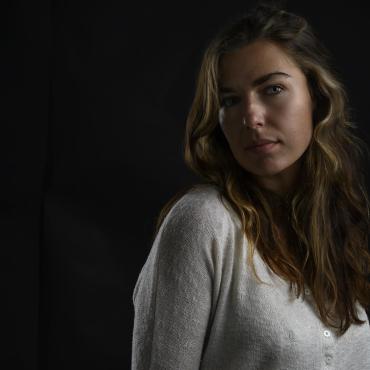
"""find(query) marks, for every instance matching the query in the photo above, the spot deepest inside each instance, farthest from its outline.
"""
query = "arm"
(172, 297)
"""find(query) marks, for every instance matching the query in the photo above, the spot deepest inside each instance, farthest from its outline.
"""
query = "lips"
(260, 143)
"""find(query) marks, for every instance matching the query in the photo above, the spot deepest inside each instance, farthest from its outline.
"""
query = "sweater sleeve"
(173, 293)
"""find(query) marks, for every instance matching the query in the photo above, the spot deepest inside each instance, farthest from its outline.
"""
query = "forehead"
(255, 59)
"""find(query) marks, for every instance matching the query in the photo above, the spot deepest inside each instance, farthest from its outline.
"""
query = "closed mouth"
(257, 145)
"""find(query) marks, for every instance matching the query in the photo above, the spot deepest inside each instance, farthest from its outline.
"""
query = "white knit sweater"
(198, 306)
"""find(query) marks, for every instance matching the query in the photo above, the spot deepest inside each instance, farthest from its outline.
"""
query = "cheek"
(297, 115)
(228, 119)
(222, 123)
(231, 135)
(221, 118)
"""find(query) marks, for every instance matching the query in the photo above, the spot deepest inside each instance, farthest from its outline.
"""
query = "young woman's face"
(278, 109)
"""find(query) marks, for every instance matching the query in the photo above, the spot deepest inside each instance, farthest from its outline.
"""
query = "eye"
(275, 86)
(228, 101)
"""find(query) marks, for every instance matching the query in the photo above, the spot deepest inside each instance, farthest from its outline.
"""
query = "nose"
(253, 114)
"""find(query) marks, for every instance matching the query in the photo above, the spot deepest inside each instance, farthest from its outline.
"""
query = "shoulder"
(202, 208)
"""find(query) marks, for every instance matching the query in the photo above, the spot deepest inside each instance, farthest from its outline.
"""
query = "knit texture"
(198, 306)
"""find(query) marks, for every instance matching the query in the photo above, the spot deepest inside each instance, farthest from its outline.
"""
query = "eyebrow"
(258, 81)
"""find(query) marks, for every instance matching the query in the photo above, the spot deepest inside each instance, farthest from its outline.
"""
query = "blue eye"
(272, 86)
(231, 100)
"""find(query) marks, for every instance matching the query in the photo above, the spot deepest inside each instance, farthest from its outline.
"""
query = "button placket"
(328, 355)
(329, 358)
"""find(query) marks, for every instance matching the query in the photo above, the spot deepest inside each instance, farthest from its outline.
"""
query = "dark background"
(94, 102)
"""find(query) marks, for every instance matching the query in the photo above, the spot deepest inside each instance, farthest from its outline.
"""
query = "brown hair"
(329, 212)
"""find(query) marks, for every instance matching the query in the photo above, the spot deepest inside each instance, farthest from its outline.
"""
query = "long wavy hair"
(328, 214)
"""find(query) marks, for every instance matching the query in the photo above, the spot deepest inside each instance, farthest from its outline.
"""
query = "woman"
(265, 264)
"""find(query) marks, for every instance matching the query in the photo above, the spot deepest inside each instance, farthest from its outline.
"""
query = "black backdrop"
(95, 96)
